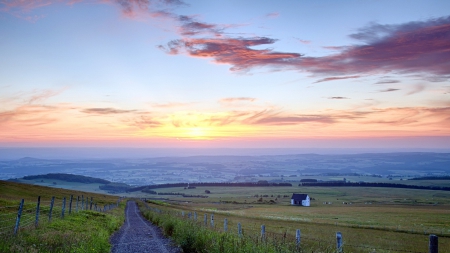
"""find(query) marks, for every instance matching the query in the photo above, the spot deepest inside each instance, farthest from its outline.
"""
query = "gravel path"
(139, 235)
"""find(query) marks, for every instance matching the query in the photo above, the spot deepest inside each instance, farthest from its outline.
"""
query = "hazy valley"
(276, 168)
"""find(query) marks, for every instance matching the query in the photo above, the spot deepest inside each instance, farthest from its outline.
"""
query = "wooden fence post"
(339, 241)
(51, 209)
(433, 245)
(90, 208)
(82, 202)
(206, 219)
(36, 221)
(297, 237)
(63, 207)
(19, 214)
(212, 220)
(78, 200)
(263, 233)
(182, 213)
(195, 216)
(239, 230)
(70, 204)
(225, 225)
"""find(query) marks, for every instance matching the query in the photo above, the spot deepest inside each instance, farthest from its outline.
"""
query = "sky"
(225, 74)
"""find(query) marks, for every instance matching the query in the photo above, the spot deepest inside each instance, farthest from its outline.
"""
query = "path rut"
(139, 235)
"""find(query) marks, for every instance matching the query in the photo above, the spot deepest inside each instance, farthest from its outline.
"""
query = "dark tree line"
(174, 193)
(364, 184)
(68, 178)
(431, 178)
(306, 180)
(245, 184)
(115, 187)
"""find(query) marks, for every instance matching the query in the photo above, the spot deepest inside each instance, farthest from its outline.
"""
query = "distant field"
(379, 207)
(378, 218)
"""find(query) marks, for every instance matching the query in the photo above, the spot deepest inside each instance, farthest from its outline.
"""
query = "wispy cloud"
(170, 105)
(416, 89)
(387, 81)
(304, 41)
(40, 96)
(273, 15)
(339, 48)
(338, 98)
(30, 115)
(144, 122)
(388, 90)
(293, 120)
(237, 99)
(107, 110)
(335, 78)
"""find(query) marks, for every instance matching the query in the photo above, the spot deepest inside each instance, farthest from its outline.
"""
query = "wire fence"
(258, 234)
(13, 218)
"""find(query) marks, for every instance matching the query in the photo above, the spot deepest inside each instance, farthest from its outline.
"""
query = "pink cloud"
(415, 47)
(408, 48)
(335, 78)
(190, 27)
(234, 51)
(26, 6)
(129, 7)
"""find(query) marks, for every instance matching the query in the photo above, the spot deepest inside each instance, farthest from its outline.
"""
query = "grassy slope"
(11, 191)
(83, 231)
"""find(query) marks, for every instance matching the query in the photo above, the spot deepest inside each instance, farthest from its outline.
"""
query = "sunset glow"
(225, 74)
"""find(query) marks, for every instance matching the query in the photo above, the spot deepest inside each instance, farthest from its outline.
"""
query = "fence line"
(27, 215)
(263, 236)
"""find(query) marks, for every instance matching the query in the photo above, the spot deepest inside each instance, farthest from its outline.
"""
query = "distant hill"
(109, 186)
